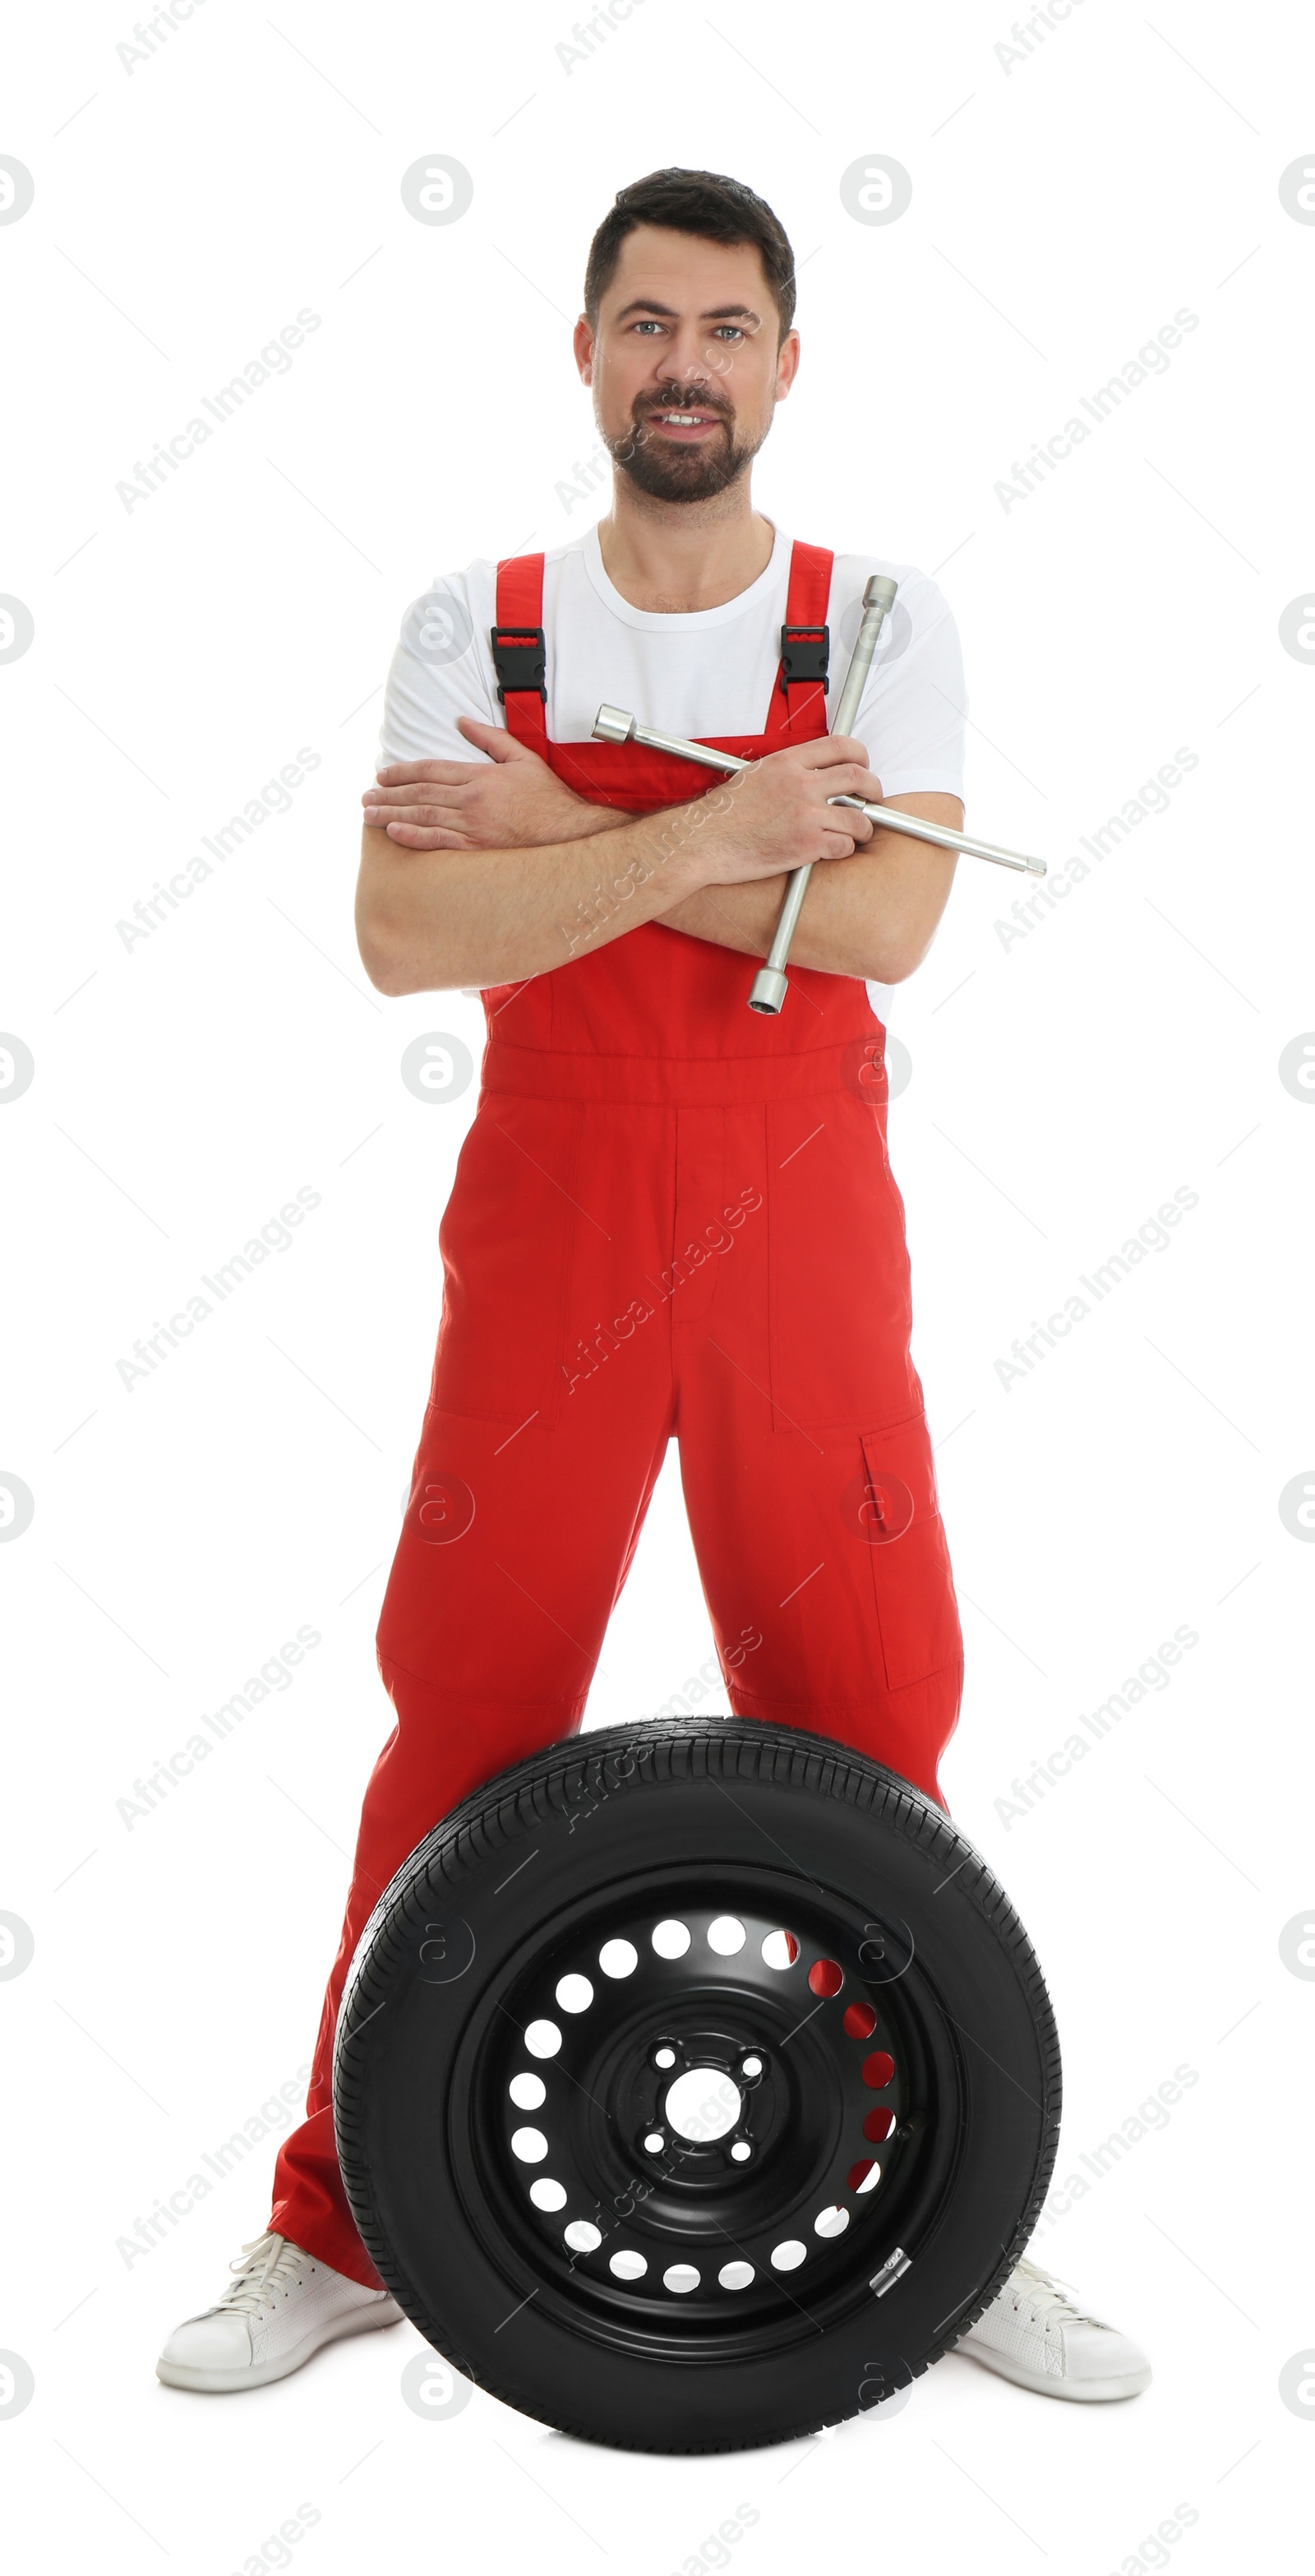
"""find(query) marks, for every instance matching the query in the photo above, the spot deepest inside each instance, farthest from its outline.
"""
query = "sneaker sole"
(228, 2383)
(1091, 2392)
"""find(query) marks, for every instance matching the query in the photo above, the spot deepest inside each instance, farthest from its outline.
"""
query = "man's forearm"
(873, 915)
(427, 921)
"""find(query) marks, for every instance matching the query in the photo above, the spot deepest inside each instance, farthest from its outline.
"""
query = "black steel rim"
(800, 2040)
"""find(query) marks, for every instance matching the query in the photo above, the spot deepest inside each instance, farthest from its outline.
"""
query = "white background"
(1064, 206)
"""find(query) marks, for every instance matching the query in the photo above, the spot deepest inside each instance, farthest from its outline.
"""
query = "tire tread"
(545, 1788)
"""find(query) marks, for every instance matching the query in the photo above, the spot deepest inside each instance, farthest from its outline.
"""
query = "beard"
(669, 472)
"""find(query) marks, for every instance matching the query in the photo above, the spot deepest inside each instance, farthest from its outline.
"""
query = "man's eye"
(729, 331)
(648, 326)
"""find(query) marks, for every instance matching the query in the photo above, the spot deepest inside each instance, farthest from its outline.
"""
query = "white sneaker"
(280, 2309)
(1031, 2333)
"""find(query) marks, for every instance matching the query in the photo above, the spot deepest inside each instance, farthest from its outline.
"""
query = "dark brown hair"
(692, 201)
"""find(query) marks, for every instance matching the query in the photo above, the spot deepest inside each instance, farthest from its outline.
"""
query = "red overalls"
(670, 1215)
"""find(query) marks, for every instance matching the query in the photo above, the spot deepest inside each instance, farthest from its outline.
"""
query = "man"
(671, 1214)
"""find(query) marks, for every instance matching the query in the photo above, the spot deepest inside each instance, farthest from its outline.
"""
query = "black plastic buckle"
(805, 654)
(520, 658)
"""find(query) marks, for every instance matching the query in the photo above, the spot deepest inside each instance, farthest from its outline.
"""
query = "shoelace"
(1047, 2300)
(268, 2264)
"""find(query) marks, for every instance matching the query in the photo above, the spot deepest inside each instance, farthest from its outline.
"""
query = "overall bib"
(671, 1216)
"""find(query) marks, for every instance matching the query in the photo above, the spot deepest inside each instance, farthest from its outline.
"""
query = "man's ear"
(583, 342)
(787, 364)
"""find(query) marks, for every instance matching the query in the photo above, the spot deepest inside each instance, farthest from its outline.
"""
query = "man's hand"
(511, 801)
(775, 815)
(876, 916)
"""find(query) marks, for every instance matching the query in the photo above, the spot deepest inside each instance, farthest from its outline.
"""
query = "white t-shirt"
(702, 674)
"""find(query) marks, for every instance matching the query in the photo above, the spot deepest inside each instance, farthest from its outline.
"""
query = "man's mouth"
(683, 426)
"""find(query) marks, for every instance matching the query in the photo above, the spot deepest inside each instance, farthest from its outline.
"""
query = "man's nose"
(687, 360)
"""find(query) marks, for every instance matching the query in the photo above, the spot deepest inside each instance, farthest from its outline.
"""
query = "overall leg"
(516, 1543)
(805, 1456)
(518, 1606)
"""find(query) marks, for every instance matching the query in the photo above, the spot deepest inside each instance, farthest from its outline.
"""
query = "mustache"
(682, 401)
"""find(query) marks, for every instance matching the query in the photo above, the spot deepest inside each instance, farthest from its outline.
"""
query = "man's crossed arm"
(481, 873)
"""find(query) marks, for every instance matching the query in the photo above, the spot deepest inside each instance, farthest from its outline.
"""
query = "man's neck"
(674, 557)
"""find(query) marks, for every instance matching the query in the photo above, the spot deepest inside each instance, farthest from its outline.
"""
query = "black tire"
(599, 1839)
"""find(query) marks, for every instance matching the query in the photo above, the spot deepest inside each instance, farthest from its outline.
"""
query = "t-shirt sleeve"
(913, 712)
(442, 668)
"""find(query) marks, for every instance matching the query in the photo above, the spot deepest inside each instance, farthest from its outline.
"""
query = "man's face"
(684, 365)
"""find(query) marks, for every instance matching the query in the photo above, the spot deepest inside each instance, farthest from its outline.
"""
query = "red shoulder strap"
(810, 585)
(518, 648)
(798, 709)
